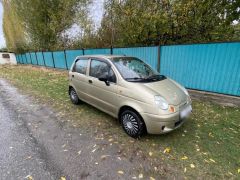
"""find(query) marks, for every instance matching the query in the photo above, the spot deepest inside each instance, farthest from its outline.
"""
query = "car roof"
(106, 56)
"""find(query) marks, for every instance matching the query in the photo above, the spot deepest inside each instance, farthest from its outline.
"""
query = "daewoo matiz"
(130, 90)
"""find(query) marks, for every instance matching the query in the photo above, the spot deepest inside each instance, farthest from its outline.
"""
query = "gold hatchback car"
(130, 90)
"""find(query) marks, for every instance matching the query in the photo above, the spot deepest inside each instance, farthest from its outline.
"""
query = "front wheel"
(73, 96)
(132, 123)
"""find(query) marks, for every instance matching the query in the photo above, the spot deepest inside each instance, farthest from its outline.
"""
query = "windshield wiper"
(156, 77)
(136, 79)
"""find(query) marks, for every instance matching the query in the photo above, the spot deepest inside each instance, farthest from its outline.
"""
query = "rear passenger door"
(79, 78)
(103, 96)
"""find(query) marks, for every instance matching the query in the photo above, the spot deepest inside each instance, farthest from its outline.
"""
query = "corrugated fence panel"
(28, 58)
(40, 58)
(59, 59)
(48, 59)
(97, 51)
(71, 56)
(24, 60)
(208, 67)
(18, 59)
(33, 57)
(147, 54)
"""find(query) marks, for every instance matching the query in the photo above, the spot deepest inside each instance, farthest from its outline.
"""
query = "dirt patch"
(224, 100)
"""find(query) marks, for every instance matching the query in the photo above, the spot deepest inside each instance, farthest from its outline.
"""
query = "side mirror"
(104, 79)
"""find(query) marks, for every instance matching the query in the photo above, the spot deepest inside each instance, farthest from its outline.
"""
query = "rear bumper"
(162, 124)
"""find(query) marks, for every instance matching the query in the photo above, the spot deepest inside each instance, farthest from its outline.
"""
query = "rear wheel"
(132, 123)
(73, 96)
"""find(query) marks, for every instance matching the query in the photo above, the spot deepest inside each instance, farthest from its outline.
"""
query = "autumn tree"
(153, 22)
(42, 23)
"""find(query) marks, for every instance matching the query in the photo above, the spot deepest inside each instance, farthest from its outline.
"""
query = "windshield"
(134, 69)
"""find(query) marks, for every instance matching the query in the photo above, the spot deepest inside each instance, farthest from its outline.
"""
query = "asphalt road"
(35, 142)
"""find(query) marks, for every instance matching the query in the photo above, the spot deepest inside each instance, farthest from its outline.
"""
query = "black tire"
(73, 96)
(132, 123)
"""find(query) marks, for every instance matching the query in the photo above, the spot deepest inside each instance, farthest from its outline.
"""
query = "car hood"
(169, 90)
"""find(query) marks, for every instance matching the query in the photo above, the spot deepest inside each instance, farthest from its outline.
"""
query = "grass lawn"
(207, 146)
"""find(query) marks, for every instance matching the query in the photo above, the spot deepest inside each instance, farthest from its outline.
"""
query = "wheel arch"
(127, 107)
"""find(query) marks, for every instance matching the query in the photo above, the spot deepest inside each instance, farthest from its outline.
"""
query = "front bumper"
(161, 124)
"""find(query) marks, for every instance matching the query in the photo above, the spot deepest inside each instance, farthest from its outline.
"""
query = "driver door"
(102, 94)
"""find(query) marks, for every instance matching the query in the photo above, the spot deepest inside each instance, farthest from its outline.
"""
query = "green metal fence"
(211, 67)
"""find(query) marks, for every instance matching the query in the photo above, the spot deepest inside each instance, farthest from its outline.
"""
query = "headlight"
(161, 102)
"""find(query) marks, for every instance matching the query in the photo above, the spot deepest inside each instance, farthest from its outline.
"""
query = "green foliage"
(139, 22)
(13, 29)
(42, 23)
(45, 25)
(44, 20)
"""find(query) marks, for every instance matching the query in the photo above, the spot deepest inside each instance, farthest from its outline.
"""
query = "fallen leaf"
(184, 158)
(79, 152)
(167, 150)
(94, 150)
(29, 157)
(210, 134)
(96, 163)
(62, 178)
(104, 156)
(120, 172)
(212, 160)
(192, 165)
(151, 178)
(140, 176)
(29, 177)
(238, 170)
(63, 145)
(134, 177)
(185, 169)
(110, 140)
(150, 153)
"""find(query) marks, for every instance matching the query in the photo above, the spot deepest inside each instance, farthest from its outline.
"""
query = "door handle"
(90, 81)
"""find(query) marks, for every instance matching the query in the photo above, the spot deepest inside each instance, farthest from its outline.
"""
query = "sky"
(2, 40)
